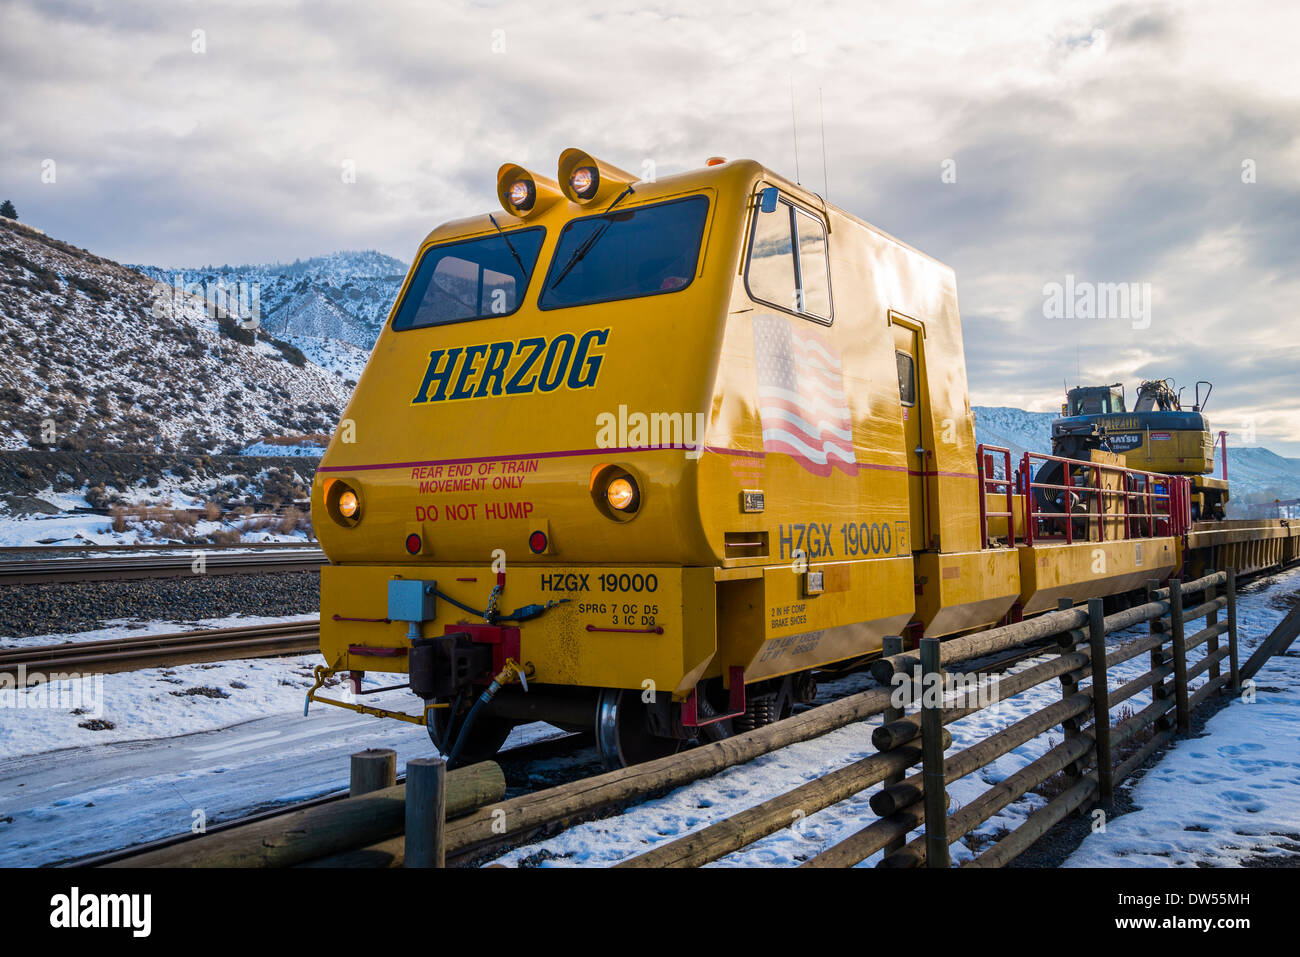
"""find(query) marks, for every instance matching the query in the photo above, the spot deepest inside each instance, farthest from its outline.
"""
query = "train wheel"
(622, 732)
(485, 737)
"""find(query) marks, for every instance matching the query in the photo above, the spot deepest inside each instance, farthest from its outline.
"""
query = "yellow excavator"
(1157, 435)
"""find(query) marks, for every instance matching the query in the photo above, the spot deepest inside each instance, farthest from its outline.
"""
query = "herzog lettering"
(518, 367)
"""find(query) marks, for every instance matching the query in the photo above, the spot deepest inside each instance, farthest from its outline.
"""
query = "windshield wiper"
(590, 241)
(523, 273)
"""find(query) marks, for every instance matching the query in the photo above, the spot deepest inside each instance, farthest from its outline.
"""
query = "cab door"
(911, 397)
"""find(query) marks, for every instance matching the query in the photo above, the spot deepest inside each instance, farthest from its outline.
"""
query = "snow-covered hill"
(95, 358)
(1253, 473)
(1014, 429)
(344, 296)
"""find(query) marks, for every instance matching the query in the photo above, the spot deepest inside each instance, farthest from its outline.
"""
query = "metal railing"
(991, 483)
(1150, 504)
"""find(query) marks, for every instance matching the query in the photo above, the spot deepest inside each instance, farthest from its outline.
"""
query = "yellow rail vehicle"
(642, 456)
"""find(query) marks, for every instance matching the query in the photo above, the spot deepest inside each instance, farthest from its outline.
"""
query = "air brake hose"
(513, 670)
(529, 612)
(526, 613)
(447, 598)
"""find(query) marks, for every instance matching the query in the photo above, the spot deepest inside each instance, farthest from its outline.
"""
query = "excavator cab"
(1094, 400)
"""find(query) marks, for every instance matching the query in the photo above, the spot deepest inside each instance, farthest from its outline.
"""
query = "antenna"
(794, 125)
(821, 113)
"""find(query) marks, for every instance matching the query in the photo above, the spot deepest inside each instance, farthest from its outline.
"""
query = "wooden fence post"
(1100, 700)
(1212, 619)
(426, 812)
(893, 645)
(1180, 655)
(936, 797)
(371, 770)
(1160, 690)
(1069, 688)
(1232, 630)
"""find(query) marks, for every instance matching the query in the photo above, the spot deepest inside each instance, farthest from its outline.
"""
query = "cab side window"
(906, 378)
(788, 263)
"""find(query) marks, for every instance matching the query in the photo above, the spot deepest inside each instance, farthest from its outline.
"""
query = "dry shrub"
(292, 519)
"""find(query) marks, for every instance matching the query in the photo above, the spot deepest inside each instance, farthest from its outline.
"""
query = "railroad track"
(58, 548)
(35, 571)
(155, 651)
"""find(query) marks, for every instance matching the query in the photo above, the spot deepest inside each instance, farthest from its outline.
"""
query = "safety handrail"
(1153, 504)
(989, 482)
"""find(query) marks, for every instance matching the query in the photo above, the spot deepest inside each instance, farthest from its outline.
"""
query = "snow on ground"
(1232, 794)
(68, 791)
(268, 448)
(342, 358)
(168, 492)
(1236, 761)
(69, 528)
(83, 528)
(151, 703)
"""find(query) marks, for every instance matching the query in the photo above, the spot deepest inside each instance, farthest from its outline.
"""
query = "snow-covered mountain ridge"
(344, 296)
(95, 358)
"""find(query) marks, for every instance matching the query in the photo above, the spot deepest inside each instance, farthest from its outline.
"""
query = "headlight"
(616, 492)
(588, 181)
(344, 502)
(621, 494)
(522, 195)
(585, 181)
(348, 504)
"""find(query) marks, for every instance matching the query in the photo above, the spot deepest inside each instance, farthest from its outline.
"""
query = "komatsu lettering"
(519, 367)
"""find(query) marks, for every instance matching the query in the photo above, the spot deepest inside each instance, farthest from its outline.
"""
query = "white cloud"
(1090, 138)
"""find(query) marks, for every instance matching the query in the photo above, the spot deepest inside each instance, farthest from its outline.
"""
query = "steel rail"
(114, 655)
(114, 568)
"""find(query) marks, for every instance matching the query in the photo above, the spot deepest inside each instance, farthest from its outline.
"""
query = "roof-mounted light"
(588, 181)
(584, 181)
(524, 194)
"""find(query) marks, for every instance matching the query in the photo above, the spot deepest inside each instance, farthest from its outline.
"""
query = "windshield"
(473, 279)
(624, 254)
(1095, 403)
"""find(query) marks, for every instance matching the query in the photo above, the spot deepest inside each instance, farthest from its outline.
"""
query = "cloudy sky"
(1156, 144)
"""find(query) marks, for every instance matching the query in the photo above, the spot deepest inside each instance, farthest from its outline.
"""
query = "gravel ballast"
(27, 610)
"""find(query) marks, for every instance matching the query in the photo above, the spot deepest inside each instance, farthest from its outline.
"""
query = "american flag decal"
(801, 398)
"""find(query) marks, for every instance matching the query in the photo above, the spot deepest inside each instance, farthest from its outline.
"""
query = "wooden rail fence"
(1091, 758)
(1094, 754)
(1105, 739)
